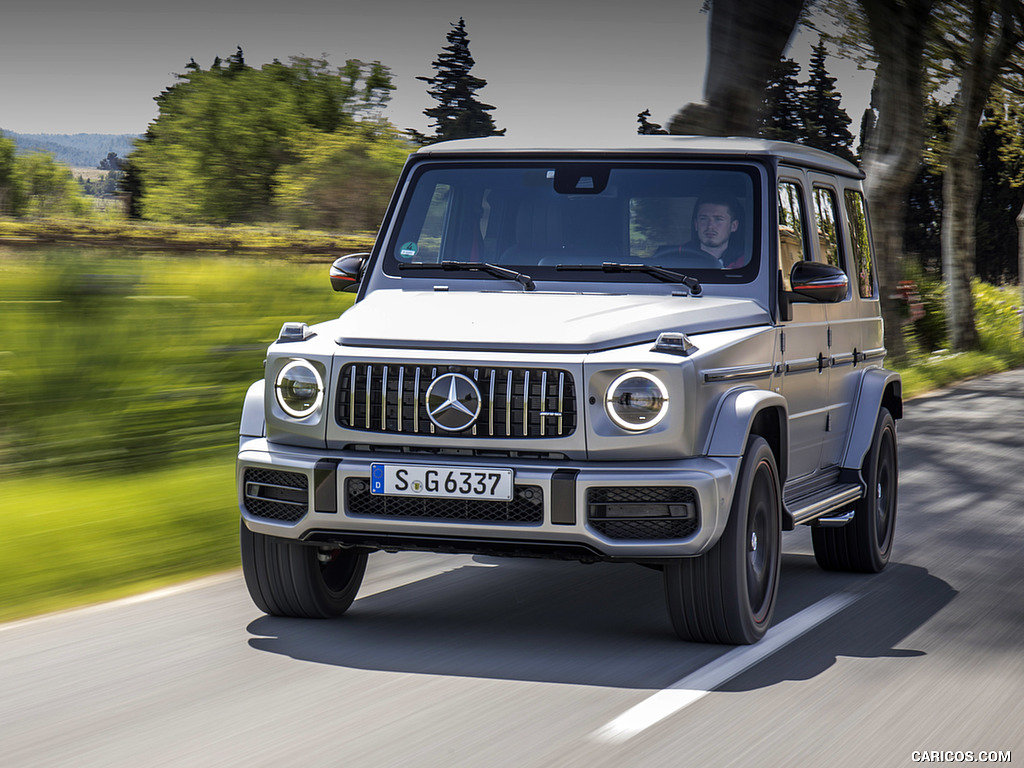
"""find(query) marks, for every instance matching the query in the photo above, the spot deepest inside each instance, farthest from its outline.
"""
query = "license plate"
(441, 482)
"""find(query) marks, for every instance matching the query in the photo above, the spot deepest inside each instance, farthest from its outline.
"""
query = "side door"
(845, 319)
(803, 340)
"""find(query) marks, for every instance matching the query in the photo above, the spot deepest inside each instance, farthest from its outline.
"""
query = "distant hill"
(79, 150)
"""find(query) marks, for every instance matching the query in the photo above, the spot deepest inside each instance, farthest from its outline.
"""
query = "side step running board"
(820, 504)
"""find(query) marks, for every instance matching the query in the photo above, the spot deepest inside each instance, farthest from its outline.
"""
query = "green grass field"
(70, 540)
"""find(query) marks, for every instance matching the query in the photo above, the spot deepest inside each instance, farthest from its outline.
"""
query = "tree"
(825, 123)
(223, 135)
(897, 30)
(782, 111)
(745, 41)
(647, 128)
(48, 187)
(980, 38)
(341, 180)
(458, 114)
(10, 199)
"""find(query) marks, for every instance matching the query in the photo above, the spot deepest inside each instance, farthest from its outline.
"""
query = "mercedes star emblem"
(453, 402)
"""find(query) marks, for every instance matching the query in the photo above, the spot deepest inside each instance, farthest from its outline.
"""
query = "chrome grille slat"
(543, 400)
(401, 394)
(365, 387)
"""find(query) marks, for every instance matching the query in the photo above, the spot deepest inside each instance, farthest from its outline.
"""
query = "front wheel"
(728, 594)
(286, 578)
(864, 544)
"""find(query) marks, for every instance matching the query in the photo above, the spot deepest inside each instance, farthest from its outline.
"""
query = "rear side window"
(826, 212)
(792, 243)
(863, 258)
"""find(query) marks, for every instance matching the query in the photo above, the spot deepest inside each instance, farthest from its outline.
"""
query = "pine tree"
(647, 128)
(826, 124)
(458, 114)
(782, 115)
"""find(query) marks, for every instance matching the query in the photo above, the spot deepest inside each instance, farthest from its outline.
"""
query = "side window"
(425, 245)
(863, 259)
(792, 244)
(826, 211)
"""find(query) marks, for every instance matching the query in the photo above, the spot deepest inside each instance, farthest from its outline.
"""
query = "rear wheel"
(864, 544)
(728, 594)
(286, 578)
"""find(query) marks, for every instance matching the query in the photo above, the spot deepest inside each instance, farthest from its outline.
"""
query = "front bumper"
(318, 496)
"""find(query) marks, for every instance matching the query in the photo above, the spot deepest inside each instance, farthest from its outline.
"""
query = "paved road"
(456, 661)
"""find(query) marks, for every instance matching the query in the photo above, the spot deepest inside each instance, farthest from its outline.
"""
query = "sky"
(582, 67)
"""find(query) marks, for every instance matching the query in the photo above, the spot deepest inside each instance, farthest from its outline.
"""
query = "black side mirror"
(814, 281)
(347, 271)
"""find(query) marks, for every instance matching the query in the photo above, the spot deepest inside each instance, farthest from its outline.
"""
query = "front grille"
(526, 507)
(632, 513)
(514, 402)
(275, 495)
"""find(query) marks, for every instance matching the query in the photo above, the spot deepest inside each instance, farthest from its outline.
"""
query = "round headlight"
(636, 401)
(300, 390)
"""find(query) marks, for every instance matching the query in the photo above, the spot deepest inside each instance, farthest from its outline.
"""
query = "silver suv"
(665, 353)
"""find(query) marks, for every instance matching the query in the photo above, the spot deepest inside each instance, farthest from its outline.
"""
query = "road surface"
(462, 661)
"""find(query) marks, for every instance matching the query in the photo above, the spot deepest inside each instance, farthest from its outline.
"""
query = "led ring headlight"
(636, 401)
(299, 388)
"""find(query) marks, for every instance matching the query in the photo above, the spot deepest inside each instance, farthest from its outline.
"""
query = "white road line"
(695, 686)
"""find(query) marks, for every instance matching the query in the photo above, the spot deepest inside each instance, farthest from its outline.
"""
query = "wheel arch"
(745, 412)
(879, 388)
(253, 422)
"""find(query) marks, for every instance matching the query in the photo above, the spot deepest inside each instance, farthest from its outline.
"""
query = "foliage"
(133, 361)
(458, 113)
(225, 136)
(826, 123)
(46, 188)
(10, 198)
(237, 238)
(340, 180)
(1000, 165)
(647, 128)
(808, 113)
(782, 115)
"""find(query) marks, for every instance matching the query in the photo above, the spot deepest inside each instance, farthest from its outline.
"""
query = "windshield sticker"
(408, 250)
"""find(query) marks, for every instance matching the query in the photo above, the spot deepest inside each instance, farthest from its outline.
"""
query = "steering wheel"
(684, 256)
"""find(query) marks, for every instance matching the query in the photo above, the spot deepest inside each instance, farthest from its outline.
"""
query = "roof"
(690, 146)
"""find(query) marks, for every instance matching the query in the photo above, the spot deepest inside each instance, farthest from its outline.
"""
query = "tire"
(864, 544)
(727, 595)
(286, 578)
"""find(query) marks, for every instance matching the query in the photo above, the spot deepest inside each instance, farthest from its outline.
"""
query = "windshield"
(545, 218)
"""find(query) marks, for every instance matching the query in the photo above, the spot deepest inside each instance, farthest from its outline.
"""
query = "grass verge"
(236, 238)
(75, 540)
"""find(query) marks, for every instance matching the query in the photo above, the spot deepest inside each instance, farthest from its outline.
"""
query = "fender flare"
(878, 387)
(254, 421)
(735, 417)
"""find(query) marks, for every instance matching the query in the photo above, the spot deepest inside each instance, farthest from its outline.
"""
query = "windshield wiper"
(491, 269)
(648, 269)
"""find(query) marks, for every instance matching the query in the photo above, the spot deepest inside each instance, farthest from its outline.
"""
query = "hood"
(532, 322)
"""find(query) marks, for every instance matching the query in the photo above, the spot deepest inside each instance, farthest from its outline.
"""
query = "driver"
(716, 220)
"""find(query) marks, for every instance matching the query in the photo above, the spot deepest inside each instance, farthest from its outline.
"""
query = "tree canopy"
(458, 113)
(224, 138)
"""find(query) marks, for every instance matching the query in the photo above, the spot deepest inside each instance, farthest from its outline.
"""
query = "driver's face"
(715, 225)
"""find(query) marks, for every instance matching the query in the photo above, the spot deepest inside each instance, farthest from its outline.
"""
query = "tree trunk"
(1020, 262)
(995, 32)
(745, 41)
(960, 189)
(893, 149)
